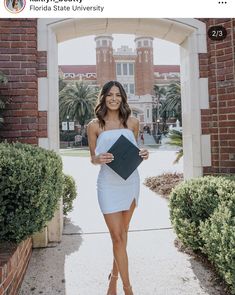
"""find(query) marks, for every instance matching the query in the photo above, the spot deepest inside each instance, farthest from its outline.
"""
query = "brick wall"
(219, 120)
(23, 64)
(13, 264)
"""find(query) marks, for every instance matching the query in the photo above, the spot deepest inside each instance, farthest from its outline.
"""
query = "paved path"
(148, 139)
(80, 264)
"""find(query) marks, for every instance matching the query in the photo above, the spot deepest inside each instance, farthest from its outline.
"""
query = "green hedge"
(202, 213)
(218, 233)
(31, 182)
(193, 202)
(69, 193)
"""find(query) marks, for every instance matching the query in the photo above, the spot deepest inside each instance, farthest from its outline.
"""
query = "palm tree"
(77, 101)
(173, 100)
(176, 139)
(160, 92)
(62, 84)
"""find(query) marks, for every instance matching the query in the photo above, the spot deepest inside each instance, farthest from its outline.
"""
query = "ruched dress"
(114, 193)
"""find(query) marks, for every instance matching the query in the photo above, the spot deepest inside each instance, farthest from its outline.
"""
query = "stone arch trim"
(190, 34)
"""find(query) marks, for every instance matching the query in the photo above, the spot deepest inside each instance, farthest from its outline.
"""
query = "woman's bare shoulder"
(133, 122)
(93, 124)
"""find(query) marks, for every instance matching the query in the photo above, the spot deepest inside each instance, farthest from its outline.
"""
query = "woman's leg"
(118, 224)
(127, 215)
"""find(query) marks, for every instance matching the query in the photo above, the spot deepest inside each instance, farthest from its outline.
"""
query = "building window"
(148, 113)
(131, 69)
(132, 88)
(104, 42)
(125, 86)
(146, 43)
(124, 69)
(98, 43)
(69, 75)
(119, 69)
(139, 43)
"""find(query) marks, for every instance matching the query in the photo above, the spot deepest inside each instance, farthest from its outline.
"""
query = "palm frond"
(78, 101)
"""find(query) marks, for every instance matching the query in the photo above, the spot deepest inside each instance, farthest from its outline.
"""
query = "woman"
(117, 197)
(16, 6)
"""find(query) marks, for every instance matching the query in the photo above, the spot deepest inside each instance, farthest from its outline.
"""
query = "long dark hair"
(14, 3)
(101, 109)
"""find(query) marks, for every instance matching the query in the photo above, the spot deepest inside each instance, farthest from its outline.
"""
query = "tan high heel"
(127, 288)
(111, 275)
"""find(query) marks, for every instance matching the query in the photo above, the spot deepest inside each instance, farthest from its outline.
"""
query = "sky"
(81, 51)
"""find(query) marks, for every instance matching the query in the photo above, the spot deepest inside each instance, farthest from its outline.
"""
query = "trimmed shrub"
(31, 182)
(218, 234)
(194, 201)
(69, 193)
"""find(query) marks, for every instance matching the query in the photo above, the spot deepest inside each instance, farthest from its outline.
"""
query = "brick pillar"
(23, 64)
(105, 65)
(144, 74)
(219, 120)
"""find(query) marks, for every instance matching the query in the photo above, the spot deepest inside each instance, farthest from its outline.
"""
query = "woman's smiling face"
(113, 99)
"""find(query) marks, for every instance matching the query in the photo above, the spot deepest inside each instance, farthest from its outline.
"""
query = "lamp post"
(158, 121)
(156, 102)
(158, 133)
(68, 128)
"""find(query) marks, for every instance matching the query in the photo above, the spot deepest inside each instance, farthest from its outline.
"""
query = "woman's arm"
(92, 138)
(136, 127)
(144, 153)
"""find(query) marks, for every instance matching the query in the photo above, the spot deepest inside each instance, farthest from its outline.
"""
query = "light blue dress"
(114, 193)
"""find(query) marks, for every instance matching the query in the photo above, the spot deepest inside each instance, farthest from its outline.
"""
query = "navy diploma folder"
(126, 157)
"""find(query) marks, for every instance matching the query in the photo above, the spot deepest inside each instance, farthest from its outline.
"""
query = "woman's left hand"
(144, 154)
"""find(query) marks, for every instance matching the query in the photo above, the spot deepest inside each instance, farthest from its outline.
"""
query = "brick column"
(105, 65)
(23, 64)
(219, 120)
(144, 74)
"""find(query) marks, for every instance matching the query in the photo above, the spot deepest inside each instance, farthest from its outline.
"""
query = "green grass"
(75, 153)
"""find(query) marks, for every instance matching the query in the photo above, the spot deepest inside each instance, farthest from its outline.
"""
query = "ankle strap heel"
(127, 288)
(111, 275)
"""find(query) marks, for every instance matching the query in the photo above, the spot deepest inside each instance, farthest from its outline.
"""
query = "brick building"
(133, 68)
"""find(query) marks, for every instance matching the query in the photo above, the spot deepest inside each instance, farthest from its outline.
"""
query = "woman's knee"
(119, 236)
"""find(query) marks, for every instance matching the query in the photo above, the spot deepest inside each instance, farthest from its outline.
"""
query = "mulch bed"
(164, 183)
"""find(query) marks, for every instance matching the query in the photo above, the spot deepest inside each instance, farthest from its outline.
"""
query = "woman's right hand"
(103, 158)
